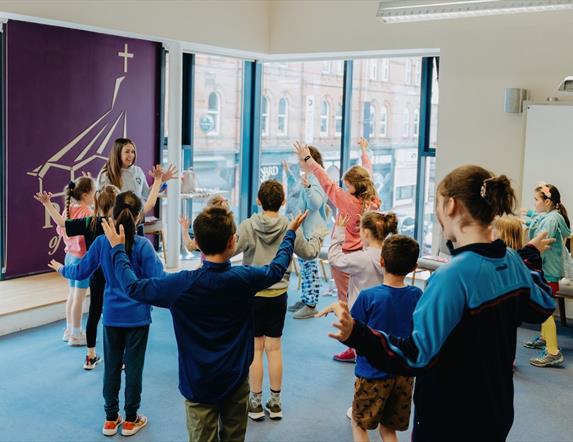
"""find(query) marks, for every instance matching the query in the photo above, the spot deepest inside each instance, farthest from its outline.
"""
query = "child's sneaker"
(347, 355)
(349, 413)
(547, 359)
(537, 342)
(305, 312)
(91, 362)
(77, 341)
(297, 305)
(110, 427)
(274, 408)
(130, 428)
(256, 411)
(66, 336)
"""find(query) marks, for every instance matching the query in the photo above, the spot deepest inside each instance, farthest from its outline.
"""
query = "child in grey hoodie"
(259, 239)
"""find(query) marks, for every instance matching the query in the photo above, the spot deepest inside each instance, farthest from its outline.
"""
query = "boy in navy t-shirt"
(383, 400)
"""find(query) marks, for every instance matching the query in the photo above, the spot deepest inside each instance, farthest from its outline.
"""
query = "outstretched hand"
(297, 221)
(169, 174)
(111, 234)
(342, 219)
(345, 322)
(301, 149)
(363, 143)
(541, 242)
(185, 223)
(55, 265)
(44, 197)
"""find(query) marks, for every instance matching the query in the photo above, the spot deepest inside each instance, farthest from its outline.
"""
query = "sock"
(275, 396)
(76, 331)
(256, 398)
(91, 353)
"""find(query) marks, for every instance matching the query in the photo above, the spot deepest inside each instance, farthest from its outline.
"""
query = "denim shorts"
(84, 283)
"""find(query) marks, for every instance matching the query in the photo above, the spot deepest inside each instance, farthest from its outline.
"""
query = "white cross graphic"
(125, 56)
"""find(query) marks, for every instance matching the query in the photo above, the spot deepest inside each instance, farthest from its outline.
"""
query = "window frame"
(284, 116)
(217, 129)
(324, 118)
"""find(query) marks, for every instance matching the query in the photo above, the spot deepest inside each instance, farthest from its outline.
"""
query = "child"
(189, 243)
(78, 201)
(90, 228)
(549, 216)
(126, 321)
(510, 230)
(382, 400)
(464, 326)
(212, 309)
(360, 196)
(363, 266)
(259, 239)
(311, 198)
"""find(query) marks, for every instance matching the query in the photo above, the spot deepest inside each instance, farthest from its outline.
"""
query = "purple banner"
(69, 94)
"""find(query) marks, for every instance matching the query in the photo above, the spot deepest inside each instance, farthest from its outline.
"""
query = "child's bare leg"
(387, 434)
(77, 308)
(69, 304)
(358, 434)
(275, 360)
(256, 369)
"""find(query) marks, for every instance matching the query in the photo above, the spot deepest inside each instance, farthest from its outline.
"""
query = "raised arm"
(46, 199)
(190, 244)
(351, 263)
(364, 157)
(160, 176)
(84, 268)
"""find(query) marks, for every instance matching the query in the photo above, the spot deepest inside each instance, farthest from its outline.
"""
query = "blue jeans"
(123, 345)
(311, 283)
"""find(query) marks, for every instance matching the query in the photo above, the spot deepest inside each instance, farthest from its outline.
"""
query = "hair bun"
(71, 185)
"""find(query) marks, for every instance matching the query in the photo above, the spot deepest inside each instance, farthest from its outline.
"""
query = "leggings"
(549, 329)
(97, 286)
(310, 287)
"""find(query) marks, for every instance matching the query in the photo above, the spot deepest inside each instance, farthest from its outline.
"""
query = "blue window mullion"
(346, 117)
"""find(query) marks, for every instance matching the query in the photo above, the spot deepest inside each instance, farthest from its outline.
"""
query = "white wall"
(480, 57)
(237, 24)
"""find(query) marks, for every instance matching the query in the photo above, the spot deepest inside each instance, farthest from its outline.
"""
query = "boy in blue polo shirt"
(212, 309)
(383, 400)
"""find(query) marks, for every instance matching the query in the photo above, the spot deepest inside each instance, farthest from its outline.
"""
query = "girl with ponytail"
(126, 322)
(78, 200)
(549, 216)
(464, 327)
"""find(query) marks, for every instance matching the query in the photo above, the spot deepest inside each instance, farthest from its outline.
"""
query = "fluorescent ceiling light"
(413, 11)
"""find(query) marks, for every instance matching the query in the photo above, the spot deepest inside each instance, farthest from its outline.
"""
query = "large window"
(217, 128)
(314, 105)
(393, 145)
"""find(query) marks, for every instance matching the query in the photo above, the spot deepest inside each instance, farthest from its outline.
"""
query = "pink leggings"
(341, 281)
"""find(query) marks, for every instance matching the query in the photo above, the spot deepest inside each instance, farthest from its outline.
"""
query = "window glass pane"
(429, 205)
(394, 156)
(217, 129)
(265, 116)
(311, 100)
(282, 117)
(338, 128)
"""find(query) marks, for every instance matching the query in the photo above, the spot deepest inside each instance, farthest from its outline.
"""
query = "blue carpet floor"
(46, 396)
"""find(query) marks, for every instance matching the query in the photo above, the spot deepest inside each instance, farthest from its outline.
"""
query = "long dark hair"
(126, 213)
(104, 200)
(555, 197)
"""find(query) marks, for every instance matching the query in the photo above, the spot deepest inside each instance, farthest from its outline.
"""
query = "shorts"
(84, 283)
(383, 401)
(269, 315)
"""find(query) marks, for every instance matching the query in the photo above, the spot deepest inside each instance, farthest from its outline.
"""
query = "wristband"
(306, 158)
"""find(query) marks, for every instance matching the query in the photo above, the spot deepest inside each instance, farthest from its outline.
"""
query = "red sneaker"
(348, 355)
(110, 427)
(130, 428)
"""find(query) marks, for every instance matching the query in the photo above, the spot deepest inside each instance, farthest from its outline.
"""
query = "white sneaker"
(77, 341)
(349, 413)
(66, 336)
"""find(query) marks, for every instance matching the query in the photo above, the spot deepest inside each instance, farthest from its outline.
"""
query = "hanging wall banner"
(69, 94)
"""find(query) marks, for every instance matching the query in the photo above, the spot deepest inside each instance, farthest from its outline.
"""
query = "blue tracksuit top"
(462, 344)
(212, 310)
(384, 308)
(119, 310)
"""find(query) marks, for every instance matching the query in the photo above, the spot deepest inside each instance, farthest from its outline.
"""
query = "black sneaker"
(296, 306)
(274, 409)
(91, 363)
(256, 411)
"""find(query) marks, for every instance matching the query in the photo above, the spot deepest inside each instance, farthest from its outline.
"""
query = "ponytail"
(551, 193)
(380, 224)
(126, 213)
(103, 202)
(69, 189)
(480, 192)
